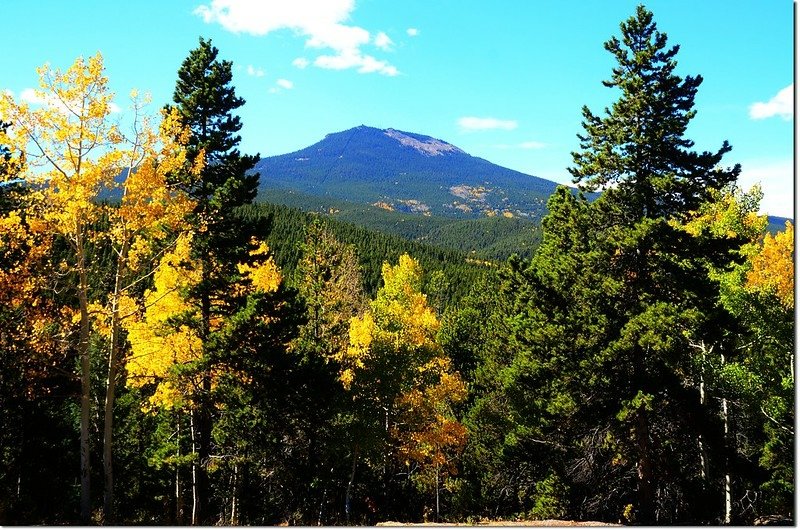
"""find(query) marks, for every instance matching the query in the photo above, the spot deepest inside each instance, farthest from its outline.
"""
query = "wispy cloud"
(412, 32)
(383, 41)
(533, 144)
(280, 85)
(34, 97)
(472, 123)
(322, 23)
(364, 63)
(301, 62)
(255, 72)
(782, 104)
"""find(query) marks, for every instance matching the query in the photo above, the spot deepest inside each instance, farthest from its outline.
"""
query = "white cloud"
(280, 86)
(412, 32)
(255, 72)
(301, 62)
(365, 63)
(30, 96)
(777, 182)
(383, 41)
(321, 22)
(782, 104)
(471, 123)
(533, 144)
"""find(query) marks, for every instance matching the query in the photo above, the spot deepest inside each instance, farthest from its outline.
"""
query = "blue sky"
(502, 80)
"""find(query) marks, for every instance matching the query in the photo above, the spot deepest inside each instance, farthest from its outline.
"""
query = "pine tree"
(638, 151)
(205, 101)
(605, 313)
(639, 154)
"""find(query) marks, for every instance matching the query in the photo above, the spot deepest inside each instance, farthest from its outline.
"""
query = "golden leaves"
(773, 267)
(399, 331)
(731, 212)
(264, 275)
(158, 344)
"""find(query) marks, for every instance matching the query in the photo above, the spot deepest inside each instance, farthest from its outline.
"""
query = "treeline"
(448, 273)
(487, 238)
(188, 357)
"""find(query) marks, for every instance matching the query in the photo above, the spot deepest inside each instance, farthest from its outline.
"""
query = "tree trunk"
(704, 473)
(195, 499)
(321, 506)
(350, 486)
(728, 500)
(203, 405)
(646, 487)
(203, 453)
(83, 353)
(727, 446)
(178, 485)
(437, 493)
(111, 386)
(234, 515)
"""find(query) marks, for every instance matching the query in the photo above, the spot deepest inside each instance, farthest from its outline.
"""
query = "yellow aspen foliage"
(27, 334)
(68, 143)
(157, 344)
(730, 213)
(73, 151)
(160, 344)
(773, 267)
(264, 275)
(149, 207)
(395, 362)
(21, 249)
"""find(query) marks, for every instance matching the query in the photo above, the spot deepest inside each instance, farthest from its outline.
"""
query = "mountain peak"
(405, 171)
(423, 144)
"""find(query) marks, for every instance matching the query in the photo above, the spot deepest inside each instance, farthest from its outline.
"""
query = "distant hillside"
(484, 238)
(406, 172)
(777, 224)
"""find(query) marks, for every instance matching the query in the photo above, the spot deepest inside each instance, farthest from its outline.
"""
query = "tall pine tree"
(206, 101)
(652, 178)
(607, 309)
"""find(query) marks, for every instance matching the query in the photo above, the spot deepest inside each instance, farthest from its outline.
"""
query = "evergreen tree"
(638, 151)
(607, 309)
(205, 101)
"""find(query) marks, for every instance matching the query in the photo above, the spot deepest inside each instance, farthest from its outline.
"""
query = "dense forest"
(488, 238)
(185, 354)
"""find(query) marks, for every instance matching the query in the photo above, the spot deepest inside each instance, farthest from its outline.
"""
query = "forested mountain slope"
(405, 172)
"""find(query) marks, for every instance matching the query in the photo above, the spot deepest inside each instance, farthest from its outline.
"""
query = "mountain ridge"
(407, 172)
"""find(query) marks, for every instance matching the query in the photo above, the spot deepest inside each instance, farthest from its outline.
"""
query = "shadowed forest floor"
(545, 522)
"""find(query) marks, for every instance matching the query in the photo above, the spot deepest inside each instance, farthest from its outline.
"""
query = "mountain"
(405, 172)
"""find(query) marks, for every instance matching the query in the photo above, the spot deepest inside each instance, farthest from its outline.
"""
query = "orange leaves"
(773, 267)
